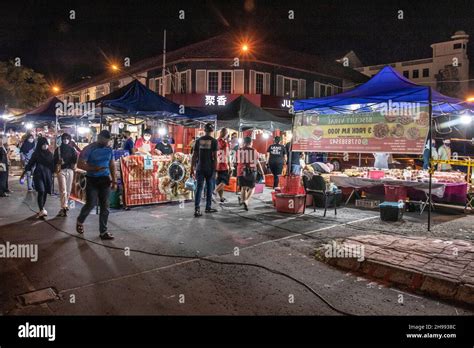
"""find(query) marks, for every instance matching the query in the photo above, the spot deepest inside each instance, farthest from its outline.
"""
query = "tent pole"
(430, 168)
(290, 149)
(101, 116)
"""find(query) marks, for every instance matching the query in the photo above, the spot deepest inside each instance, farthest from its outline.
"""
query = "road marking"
(206, 257)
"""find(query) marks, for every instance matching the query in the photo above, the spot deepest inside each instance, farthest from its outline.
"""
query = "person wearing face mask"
(26, 151)
(43, 163)
(3, 168)
(444, 153)
(144, 144)
(97, 160)
(164, 147)
(426, 153)
(65, 159)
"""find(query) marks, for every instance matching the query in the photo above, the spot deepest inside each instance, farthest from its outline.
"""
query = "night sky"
(41, 33)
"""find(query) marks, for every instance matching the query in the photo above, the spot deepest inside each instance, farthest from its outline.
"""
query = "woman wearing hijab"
(43, 162)
(26, 151)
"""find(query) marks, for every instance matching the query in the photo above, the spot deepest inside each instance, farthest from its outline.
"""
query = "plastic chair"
(316, 186)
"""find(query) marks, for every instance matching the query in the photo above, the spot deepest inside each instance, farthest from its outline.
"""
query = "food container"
(291, 204)
(376, 174)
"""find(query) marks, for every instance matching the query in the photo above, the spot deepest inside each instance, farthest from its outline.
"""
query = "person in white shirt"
(381, 160)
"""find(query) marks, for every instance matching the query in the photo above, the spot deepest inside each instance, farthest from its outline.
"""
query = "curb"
(440, 287)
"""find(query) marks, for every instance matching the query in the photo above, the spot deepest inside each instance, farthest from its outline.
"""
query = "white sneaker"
(42, 213)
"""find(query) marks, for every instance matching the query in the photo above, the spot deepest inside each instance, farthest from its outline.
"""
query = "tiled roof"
(224, 46)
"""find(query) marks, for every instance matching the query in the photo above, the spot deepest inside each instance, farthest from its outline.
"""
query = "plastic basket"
(291, 185)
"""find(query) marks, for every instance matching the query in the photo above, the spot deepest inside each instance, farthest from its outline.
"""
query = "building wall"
(446, 59)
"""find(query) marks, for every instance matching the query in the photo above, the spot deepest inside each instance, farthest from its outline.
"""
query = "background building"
(218, 70)
(447, 70)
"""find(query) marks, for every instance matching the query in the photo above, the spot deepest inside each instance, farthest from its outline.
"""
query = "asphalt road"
(166, 278)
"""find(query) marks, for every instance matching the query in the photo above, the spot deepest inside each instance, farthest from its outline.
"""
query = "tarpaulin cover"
(135, 99)
(243, 114)
(387, 85)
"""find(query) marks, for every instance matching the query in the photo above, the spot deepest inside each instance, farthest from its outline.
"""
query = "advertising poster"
(368, 132)
(158, 184)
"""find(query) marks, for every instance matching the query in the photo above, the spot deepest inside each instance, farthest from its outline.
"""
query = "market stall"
(387, 115)
(148, 178)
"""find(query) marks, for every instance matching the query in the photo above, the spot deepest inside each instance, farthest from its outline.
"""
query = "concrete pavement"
(93, 279)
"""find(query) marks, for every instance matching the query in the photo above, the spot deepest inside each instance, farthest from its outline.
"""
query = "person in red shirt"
(223, 163)
(144, 144)
(247, 165)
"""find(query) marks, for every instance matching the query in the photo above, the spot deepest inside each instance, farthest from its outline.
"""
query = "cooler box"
(291, 204)
(391, 211)
(232, 187)
(269, 180)
(277, 190)
(376, 174)
(395, 193)
(259, 188)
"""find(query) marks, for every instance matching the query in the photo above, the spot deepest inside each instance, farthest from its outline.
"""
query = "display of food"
(409, 174)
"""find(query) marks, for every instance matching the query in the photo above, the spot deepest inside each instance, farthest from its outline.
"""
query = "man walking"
(276, 158)
(204, 161)
(223, 163)
(98, 160)
(65, 160)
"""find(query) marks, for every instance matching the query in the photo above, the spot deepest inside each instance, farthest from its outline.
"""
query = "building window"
(259, 83)
(457, 46)
(325, 90)
(99, 91)
(416, 74)
(114, 85)
(290, 87)
(213, 82)
(183, 81)
(219, 82)
(426, 72)
(226, 82)
(406, 73)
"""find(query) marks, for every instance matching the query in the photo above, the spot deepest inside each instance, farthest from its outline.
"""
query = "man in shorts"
(223, 163)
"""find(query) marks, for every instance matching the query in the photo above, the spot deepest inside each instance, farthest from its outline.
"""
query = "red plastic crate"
(269, 180)
(277, 190)
(291, 185)
(291, 204)
(395, 193)
(232, 187)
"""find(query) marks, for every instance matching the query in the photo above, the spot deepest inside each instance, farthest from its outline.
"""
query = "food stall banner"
(149, 186)
(392, 131)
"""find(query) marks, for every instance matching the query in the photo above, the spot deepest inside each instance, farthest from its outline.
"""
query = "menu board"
(365, 132)
(148, 185)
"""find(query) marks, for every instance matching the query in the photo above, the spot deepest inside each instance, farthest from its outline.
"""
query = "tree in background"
(21, 87)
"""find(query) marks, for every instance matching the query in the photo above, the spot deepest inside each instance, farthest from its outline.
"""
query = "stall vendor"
(444, 153)
(426, 153)
(381, 160)
(144, 144)
(164, 147)
(128, 142)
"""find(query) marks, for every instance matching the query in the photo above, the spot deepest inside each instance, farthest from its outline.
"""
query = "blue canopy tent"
(136, 100)
(387, 86)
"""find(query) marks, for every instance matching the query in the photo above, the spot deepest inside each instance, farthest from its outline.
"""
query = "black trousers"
(3, 182)
(276, 169)
(41, 199)
(97, 189)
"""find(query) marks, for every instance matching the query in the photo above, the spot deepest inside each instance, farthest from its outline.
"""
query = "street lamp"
(55, 89)
(470, 99)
